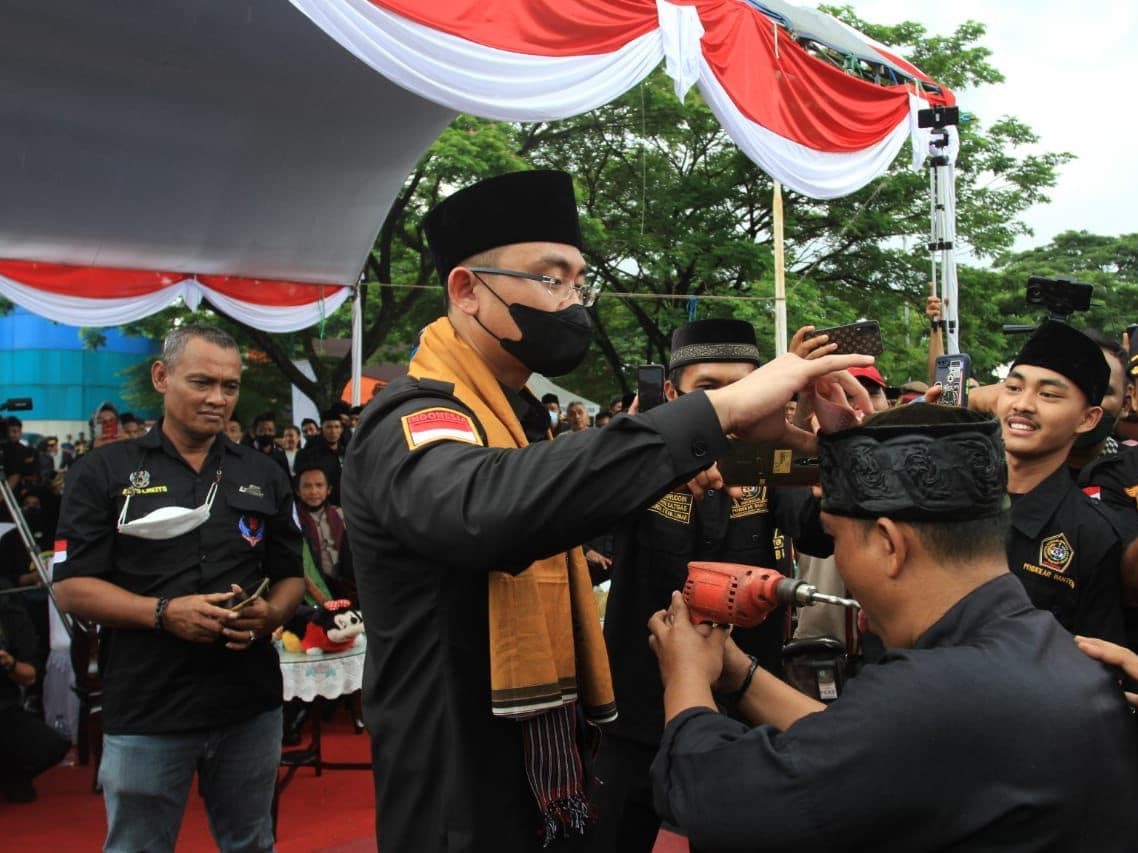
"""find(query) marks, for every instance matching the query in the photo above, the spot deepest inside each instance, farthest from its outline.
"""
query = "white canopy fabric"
(235, 152)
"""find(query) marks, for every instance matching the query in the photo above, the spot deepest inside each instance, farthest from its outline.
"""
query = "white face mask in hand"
(167, 522)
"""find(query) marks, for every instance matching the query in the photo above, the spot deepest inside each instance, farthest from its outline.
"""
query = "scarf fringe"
(567, 817)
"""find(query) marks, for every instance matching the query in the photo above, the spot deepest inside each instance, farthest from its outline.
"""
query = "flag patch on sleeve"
(438, 424)
(60, 552)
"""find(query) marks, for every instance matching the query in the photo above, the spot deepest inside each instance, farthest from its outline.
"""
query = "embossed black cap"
(920, 462)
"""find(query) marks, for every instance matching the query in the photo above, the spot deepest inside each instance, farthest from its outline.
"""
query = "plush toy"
(291, 642)
(332, 628)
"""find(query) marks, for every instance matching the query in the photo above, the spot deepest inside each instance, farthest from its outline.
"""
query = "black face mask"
(553, 342)
(1104, 428)
(265, 442)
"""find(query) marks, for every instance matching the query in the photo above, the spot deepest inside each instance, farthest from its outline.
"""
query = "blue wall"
(48, 362)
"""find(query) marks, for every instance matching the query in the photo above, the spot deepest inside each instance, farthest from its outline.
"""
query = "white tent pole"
(779, 274)
(357, 343)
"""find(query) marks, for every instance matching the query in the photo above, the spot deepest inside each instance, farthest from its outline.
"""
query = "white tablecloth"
(330, 675)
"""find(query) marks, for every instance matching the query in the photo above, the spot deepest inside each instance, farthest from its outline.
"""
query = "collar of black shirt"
(534, 417)
(155, 439)
(1032, 511)
(999, 597)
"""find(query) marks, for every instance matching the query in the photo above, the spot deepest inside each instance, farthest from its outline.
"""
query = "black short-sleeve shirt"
(1066, 552)
(154, 681)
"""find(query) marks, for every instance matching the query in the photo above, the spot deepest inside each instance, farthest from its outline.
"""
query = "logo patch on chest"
(674, 506)
(1056, 553)
(252, 529)
(751, 505)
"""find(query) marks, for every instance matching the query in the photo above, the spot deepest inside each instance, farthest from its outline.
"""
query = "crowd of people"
(978, 697)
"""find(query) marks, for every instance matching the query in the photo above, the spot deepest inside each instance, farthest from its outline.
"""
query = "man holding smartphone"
(652, 550)
(160, 539)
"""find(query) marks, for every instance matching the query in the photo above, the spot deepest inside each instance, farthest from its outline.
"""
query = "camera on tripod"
(1061, 298)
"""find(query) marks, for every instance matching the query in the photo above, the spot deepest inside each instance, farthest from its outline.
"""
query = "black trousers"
(28, 746)
(621, 792)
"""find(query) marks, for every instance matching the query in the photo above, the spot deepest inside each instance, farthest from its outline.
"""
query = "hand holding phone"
(862, 338)
(649, 386)
(952, 373)
(245, 602)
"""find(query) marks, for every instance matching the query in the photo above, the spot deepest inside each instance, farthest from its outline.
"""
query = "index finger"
(816, 367)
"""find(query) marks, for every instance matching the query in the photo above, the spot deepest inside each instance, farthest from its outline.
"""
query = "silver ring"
(252, 636)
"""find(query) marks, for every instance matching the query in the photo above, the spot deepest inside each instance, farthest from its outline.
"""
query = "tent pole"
(779, 274)
(357, 342)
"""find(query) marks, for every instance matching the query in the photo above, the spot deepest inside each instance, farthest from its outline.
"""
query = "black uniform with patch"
(155, 682)
(428, 522)
(1066, 552)
(1113, 481)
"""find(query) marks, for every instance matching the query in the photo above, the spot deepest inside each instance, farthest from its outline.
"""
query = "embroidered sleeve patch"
(60, 551)
(438, 424)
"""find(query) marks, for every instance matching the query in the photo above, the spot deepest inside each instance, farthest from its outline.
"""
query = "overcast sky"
(1069, 72)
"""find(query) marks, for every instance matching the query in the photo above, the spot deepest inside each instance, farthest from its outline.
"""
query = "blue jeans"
(146, 781)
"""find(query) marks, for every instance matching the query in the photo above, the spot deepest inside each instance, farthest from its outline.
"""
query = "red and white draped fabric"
(99, 297)
(810, 125)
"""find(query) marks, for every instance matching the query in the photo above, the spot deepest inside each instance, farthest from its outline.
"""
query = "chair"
(89, 688)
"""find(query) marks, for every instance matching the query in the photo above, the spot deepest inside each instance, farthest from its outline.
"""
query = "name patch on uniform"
(251, 489)
(152, 490)
(674, 506)
(1056, 553)
(1050, 575)
(751, 504)
(438, 424)
(251, 528)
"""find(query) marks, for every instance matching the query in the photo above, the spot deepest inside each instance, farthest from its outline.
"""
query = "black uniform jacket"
(155, 682)
(651, 559)
(427, 525)
(1066, 551)
(993, 733)
(1113, 481)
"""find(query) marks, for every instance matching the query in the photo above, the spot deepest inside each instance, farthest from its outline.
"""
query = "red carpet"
(330, 814)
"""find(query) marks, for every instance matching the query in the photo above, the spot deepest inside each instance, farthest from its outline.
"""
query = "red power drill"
(734, 594)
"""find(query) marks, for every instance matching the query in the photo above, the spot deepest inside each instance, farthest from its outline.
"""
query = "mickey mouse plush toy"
(332, 628)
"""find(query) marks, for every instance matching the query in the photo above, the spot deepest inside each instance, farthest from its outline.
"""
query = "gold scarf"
(546, 645)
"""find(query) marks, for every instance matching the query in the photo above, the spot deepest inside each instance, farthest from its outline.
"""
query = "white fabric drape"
(102, 312)
(514, 86)
(472, 78)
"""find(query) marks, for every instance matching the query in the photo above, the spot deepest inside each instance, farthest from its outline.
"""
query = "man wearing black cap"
(982, 728)
(326, 451)
(483, 637)
(1062, 545)
(650, 560)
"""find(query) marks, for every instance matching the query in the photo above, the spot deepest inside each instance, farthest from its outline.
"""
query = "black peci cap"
(1064, 349)
(519, 207)
(714, 340)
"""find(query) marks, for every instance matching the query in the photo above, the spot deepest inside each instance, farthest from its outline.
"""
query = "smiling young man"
(156, 536)
(466, 522)
(982, 727)
(1062, 546)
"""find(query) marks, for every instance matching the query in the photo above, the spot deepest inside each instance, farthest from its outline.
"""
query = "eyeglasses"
(558, 289)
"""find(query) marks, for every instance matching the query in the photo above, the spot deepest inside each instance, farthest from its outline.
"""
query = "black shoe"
(20, 792)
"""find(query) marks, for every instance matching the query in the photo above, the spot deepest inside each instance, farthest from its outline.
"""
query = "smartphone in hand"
(952, 372)
(650, 386)
(862, 338)
(244, 601)
(749, 464)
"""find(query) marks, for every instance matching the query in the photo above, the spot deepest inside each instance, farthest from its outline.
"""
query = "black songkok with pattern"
(715, 339)
(920, 462)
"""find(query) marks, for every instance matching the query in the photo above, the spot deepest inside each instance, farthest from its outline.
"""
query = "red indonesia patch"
(438, 424)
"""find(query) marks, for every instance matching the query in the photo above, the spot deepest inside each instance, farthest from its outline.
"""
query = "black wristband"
(735, 697)
(159, 613)
(936, 325)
